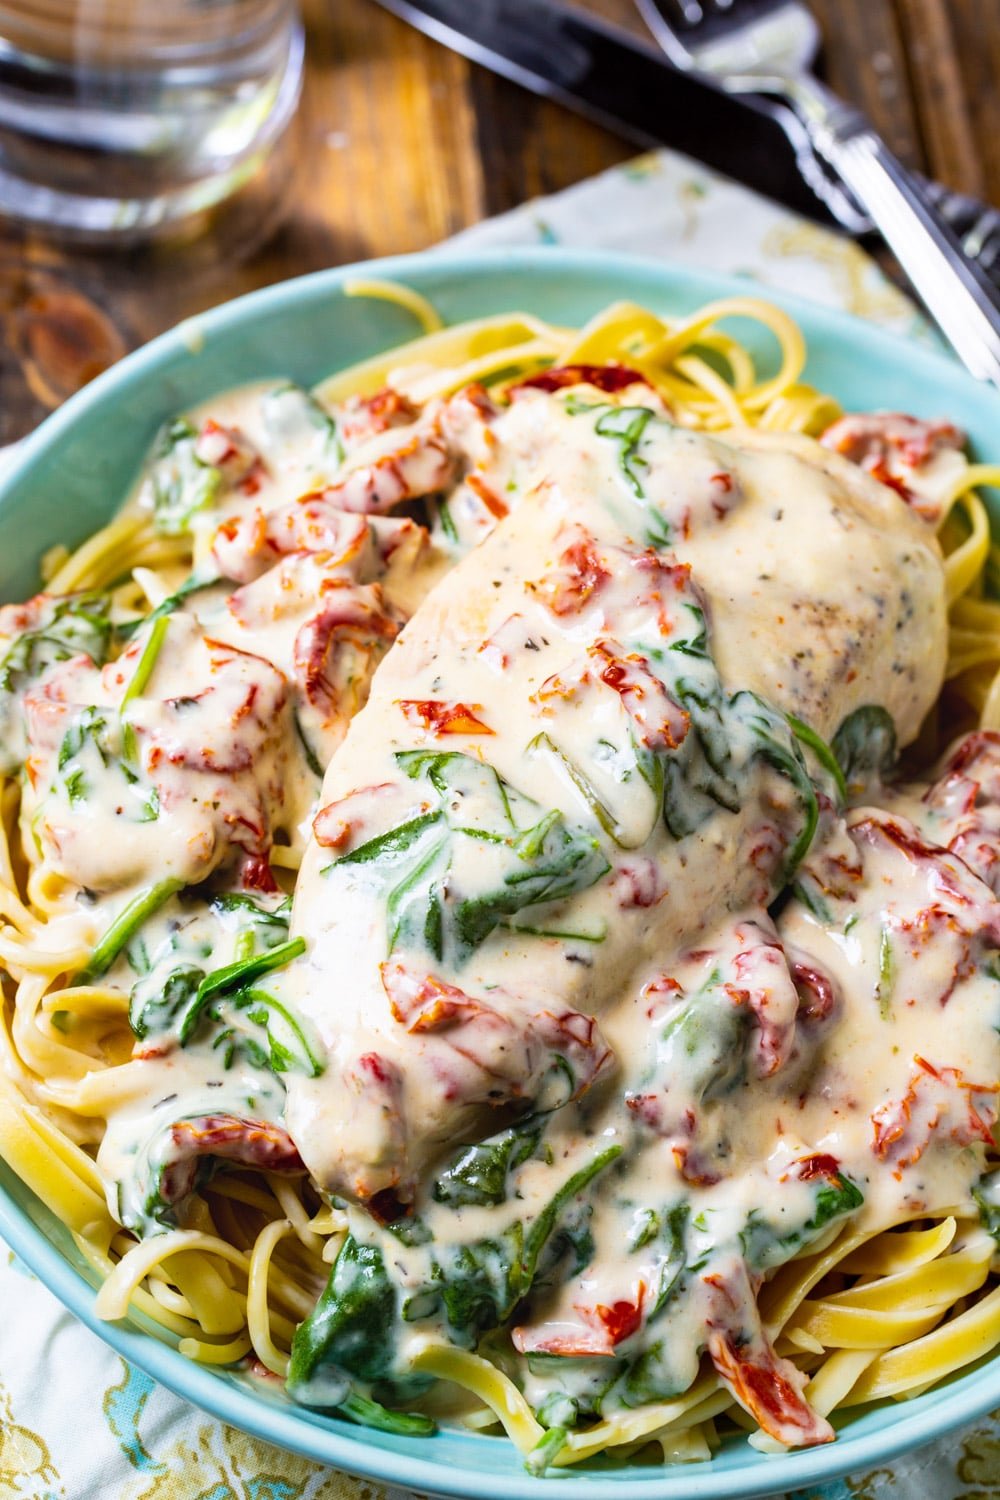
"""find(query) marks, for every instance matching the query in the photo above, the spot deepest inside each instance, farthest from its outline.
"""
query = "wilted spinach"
(478, 1174)
(181, 484)
(125, 926)
(72, 625)
(987, 1198)
(293, 416)
(626, 424)
(767, 1243)
(486, 853)
(177, 998)
(865, 747)
(193, 585)
(775, 742)
(703, 1041)
(354, 1331)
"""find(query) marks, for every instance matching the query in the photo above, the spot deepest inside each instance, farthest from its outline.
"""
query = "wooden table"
(401, 143)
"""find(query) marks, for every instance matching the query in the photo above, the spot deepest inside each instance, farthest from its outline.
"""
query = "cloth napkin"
(77, 1422)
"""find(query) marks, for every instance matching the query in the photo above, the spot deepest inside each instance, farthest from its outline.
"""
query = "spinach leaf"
(235, 976)
(155, 1002)
(808, 891)
(289, 1045)
(235, 1046)
(833, 1199)
(479, 1284)
(775, 743)
(351, 1332)
(696, 645)
(545, 1450)
(308, 753)
(249, 1026)
(144, 668)
(385, 848)
(626, 424)
(563, 933)
(575, 405)
(180, 483)
(74, 625)
(554, 861)
(558, 1409)
(416, 904)
(674, 1263)
(293, 416)
(125, 926)
(865, 747)
(704, 1042)
(886, 974)
(193, 585)
(767, 1243)
(447, 522)
(689, 1246)
(645, 1228)
(822, 751)
(267, 925)
(700, 778)
(650, 1376)
(88, 730)
(478, 1174)
(986, 1194)
(77, 625)
(724, 737)
(541, 1229)
(90, 747)
(369, 1413)
(602, 814)
(175, 997)
(486, 853)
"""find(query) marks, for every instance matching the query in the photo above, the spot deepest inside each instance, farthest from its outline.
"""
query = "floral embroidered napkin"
(76, 1422)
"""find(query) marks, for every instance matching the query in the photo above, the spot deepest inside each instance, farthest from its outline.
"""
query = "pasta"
(151, 850)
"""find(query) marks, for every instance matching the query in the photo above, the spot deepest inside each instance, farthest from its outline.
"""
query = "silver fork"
(768, 47)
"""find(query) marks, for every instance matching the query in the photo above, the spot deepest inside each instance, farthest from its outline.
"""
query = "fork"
(768, 47)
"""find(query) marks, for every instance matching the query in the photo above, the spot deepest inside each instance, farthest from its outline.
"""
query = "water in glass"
(121, 117)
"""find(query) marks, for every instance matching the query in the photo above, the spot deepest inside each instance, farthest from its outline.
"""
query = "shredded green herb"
(125, 926)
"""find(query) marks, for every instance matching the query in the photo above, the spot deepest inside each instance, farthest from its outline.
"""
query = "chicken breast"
(577, 756)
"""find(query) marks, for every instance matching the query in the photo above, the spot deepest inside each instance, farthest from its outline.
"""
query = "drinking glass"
(122, 119)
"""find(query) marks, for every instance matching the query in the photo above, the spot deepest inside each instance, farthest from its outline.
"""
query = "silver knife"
(628, 85)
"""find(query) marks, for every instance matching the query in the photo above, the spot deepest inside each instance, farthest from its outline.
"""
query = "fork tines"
(697, 22)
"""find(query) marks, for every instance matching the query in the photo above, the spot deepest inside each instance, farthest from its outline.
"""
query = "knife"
(627, 85)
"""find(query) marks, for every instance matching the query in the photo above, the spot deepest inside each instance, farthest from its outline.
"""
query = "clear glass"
(121, 119)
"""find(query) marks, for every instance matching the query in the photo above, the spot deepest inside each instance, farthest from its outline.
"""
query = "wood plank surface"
(400, 143)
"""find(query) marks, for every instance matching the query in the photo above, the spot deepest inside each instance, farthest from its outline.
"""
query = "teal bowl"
(69, 478)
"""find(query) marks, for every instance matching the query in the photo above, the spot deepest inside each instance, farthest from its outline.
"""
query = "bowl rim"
(969, 1395)
(187, 336)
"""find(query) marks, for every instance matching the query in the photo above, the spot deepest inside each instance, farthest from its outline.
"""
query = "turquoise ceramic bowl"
(69, 478)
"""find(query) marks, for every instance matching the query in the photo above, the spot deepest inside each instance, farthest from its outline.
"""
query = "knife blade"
(627, 85)
(622, 83)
